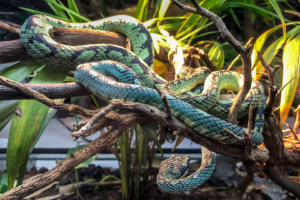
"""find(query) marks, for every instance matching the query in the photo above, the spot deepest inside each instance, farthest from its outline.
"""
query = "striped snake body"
(134, 77)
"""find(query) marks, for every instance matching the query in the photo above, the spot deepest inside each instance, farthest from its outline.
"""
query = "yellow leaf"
(291, 68)
(160, 67)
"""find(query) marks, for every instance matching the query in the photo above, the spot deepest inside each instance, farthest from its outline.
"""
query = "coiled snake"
(134, 82)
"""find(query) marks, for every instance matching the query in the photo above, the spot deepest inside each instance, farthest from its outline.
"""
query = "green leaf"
(163, 9)
(72, 5)
(69, 10)
(216, 55)
(291, 68)
(25, 128)
(7, 112)
(35, 12)
(149, 131)
(3, 183)
(20, 70)
(263, 13)
(47, 119)
(71, 16)
(235, 18)
(85, 163)
(278, 11)
(75, 100)
(141, 10)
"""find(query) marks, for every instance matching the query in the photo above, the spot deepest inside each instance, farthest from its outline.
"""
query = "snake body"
(134, 79)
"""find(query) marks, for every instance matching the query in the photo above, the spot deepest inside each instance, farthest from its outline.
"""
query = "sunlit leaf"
(141, 9)
(291, 68)
(271, 51)
(160, 67)
(163, 8)
(216, 55)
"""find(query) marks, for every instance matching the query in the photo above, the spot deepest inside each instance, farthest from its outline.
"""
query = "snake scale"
(134, 80)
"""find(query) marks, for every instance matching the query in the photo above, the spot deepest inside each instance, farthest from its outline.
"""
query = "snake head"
(176, 166)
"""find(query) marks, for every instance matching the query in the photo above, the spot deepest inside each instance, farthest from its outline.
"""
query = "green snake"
(134, 80)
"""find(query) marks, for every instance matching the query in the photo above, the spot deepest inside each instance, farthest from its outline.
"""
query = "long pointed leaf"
(25, 128)
(291, 64)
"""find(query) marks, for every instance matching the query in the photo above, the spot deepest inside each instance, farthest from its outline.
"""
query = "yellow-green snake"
(134, 80)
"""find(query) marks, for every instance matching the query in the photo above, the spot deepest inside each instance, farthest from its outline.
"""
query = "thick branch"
(45, 100)
(12, 51)
(284, 182)
(53, 91)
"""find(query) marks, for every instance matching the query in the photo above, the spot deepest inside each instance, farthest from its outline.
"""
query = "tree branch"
(53, 91)
(122, 123)
(11, 51)
(284, 182)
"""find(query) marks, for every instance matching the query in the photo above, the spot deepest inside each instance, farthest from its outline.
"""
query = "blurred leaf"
(216, 55)
(163, 9)
(7, 112)
(69, 10)
(141, 10)
(160, 67)
(69, 79)
(278, 11)
(291, 68)
(20, 70)
(35, 12)
(71, 17)
(85, 163)
(75, 100)
(235, 18)
(25, 128)
(149, 131)
(3, 183)
(262, 13)
(72, 5)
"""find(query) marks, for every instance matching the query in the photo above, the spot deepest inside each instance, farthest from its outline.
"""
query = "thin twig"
(239, 139)
(293, 12)
(292, 131)
(166, 102)
(280, 90)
